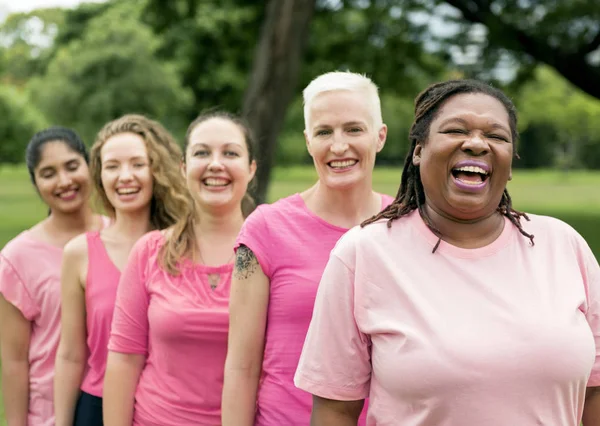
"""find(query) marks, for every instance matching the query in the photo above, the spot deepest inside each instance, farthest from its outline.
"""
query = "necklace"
(214, 278)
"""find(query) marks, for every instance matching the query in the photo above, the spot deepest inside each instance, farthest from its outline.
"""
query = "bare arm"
(591, 409)
(15, 332)
(248, 316)
(72, 350)
(328, 412)
(120, 382)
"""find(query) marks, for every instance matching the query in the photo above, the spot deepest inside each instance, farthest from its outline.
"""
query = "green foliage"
(110, 71)
(20, 120)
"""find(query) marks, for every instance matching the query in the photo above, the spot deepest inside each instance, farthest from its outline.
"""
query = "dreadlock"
(411, 195)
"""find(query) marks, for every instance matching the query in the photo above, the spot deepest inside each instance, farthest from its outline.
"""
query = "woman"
(283, 248)
(447, 312)
(169, 333)
(135, 167)
(56, 159)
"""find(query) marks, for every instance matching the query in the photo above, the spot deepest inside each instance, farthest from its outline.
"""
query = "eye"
(323, 132)
(200, 153)
(231, 154)
(502, 138)
(455, 131)
(47, 175)
(72, 166)
(139, 165)
(111, 166)
(355, 130)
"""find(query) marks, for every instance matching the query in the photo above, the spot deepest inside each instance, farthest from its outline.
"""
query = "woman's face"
(466, 161)
(342, 138)
(126, 175)
(218, 167)
(62, 178)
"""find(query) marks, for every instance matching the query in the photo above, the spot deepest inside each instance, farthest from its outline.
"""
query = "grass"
(573, 197)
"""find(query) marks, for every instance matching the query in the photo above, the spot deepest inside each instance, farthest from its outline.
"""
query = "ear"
(307, 140)
(183, 168)
(416, 160)
(381, 137)
(252, 170)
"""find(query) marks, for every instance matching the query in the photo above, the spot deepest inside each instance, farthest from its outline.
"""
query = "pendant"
(213, 280)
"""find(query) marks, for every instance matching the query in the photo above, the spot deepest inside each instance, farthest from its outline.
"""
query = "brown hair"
(180, 242)
(170, 199)
(411, 195)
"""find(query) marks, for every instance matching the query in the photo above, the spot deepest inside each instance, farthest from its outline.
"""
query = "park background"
(172, 59)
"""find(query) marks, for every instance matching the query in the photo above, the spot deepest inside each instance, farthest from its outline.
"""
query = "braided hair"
(411, 195)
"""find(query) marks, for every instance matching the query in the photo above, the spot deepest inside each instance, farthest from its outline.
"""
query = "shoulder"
(386, 200)
(547, 227)
(77, 248)
(18, 248)
(270, 214)
(151, 242)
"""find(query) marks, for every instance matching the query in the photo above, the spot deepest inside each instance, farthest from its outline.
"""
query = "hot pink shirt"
(30, 280)
(292, 245)
(180, 324)
(100, 295)
(507, 334)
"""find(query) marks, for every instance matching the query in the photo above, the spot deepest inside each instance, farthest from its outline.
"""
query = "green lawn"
(572, 197)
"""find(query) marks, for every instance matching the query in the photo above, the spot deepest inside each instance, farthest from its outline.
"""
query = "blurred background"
(82, 64)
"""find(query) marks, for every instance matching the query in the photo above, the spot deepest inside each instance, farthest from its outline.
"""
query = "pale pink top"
(292, 245)
(507, 334)
(100, 295)
(180, 324)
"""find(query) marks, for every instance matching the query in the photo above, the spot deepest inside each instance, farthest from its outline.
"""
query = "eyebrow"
(136, 158)
(203, 145)
(346, 124)
(464, 123)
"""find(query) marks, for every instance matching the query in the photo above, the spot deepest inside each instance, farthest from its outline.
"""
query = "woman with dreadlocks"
(443, 310)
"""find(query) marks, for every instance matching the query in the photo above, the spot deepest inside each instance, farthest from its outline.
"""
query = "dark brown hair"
(411, 195)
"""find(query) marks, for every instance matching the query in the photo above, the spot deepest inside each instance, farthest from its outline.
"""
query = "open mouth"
(470, 175)
(216, 182)
(342, 164)
(128, 191)
(68, 194)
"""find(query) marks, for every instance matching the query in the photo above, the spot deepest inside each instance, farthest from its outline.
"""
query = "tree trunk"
(275, 71)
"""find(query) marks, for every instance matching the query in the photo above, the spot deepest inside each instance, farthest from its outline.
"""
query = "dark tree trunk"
(273, 80)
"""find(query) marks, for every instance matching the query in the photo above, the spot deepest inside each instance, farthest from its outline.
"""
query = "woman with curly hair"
(169, 333)
(135, 168)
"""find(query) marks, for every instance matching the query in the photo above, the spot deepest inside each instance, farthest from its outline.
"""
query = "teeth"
(472, 169)
(346, 163)
(67, 193)
(127, 190)
(216, 182)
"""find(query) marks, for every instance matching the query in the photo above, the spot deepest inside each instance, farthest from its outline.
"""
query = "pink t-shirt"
(30, 280)
(292, 245)
(180, 324)
(100, 295)
(507, 334)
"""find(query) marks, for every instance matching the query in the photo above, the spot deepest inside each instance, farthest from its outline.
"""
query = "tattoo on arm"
(245, 263)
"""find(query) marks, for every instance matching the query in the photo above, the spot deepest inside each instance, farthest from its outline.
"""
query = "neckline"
(27, 235)
(96, 235)
(297, 198)
(452, 250)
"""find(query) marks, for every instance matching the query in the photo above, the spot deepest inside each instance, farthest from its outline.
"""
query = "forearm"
(328, 412)
(118, 399)
(591, 410)
(67, 384)
(239, 397)
(15, 389)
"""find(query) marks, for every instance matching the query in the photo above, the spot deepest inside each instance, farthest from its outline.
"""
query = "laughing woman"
(135, 167)
(30, 275)
(169, 333)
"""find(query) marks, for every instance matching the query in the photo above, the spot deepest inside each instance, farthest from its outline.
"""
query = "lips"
(342, 164)
(216, 181)
(67, 194)
(471, 172)
(128, 190)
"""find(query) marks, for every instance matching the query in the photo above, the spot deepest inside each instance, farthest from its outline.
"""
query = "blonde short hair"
(344, 80)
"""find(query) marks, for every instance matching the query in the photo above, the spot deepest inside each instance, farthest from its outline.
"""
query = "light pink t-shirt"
(507, 334)
(180, 324)
(292, 245)
(100, 295)
(30, 280)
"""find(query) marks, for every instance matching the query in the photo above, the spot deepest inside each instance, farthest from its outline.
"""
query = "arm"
(120, 382)
(328, 412)
(15, 332)
(591, 408)
(247, 321)
(72, 350)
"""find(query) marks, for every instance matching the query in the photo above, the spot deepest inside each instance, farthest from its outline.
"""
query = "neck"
(344, 208)
(72, 223)
(132, 225)
(468, 234)
(224, 223)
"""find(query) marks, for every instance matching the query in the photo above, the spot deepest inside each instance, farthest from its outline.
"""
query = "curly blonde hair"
(170, 197)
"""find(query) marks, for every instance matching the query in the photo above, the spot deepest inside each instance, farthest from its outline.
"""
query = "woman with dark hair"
(56, 159)
(135, 169)
(169, 332)
(441, 309)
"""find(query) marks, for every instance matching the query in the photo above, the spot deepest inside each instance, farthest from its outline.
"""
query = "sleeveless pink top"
(100, 295)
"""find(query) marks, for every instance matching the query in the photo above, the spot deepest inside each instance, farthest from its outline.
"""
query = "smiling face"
(342, 138)
(62, 178)
(466, 161)
(126, 175)
(218, 168)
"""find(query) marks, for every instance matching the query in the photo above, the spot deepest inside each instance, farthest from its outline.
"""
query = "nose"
(126, 174)
(339, 145)
(475, 144)
(64, 179)
(215, 163)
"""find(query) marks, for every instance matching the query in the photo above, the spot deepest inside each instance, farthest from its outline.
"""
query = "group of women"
(187, 306)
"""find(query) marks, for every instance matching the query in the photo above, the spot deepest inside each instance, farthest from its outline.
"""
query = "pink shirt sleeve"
(335, 361)
(15, 291)
(255, 235)
(592, 314)
(129, 330)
